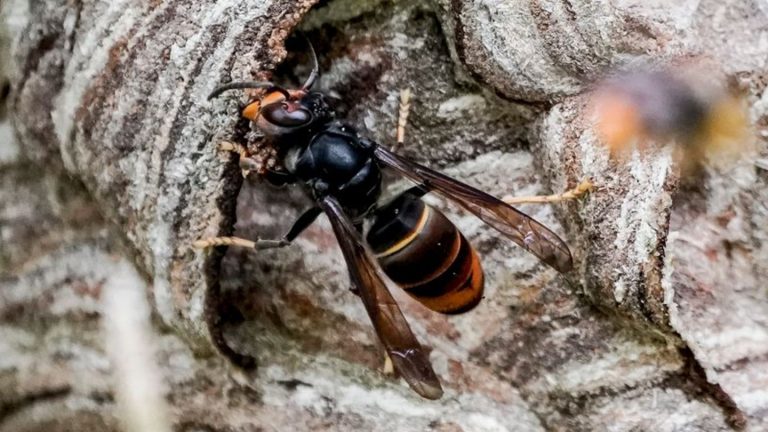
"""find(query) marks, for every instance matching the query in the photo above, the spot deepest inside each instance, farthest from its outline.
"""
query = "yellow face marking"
(409, 238)
(251, 112)
(272, 97)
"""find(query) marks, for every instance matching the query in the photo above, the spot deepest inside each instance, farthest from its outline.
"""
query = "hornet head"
(280, 111)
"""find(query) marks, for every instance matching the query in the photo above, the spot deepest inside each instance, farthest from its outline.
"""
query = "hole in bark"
(5, 90)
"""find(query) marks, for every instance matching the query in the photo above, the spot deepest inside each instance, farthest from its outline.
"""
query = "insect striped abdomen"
(424, 253)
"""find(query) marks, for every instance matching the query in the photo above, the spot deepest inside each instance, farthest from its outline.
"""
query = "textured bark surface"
(108, 172)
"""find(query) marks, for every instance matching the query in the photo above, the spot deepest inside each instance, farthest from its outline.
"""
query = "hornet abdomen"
(425, 254)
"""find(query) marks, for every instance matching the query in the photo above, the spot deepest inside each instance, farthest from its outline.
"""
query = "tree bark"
(113, 172)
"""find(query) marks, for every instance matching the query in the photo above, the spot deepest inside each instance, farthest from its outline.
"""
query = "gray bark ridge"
(126, 87)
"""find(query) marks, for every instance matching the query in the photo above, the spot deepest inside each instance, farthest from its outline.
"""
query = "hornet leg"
(388, 368)
(402, 118)
(302, 223)
(579, 191)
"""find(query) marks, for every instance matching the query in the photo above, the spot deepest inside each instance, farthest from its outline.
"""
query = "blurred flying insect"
(645, 108)
(413, 244)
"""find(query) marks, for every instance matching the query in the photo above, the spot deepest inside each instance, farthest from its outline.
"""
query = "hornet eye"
(286, 114)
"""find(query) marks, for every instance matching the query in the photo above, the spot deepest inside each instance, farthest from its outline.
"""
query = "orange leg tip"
(388, 368)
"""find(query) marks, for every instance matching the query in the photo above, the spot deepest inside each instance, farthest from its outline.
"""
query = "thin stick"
(402, 118)
(582, 189)
(132, 343)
